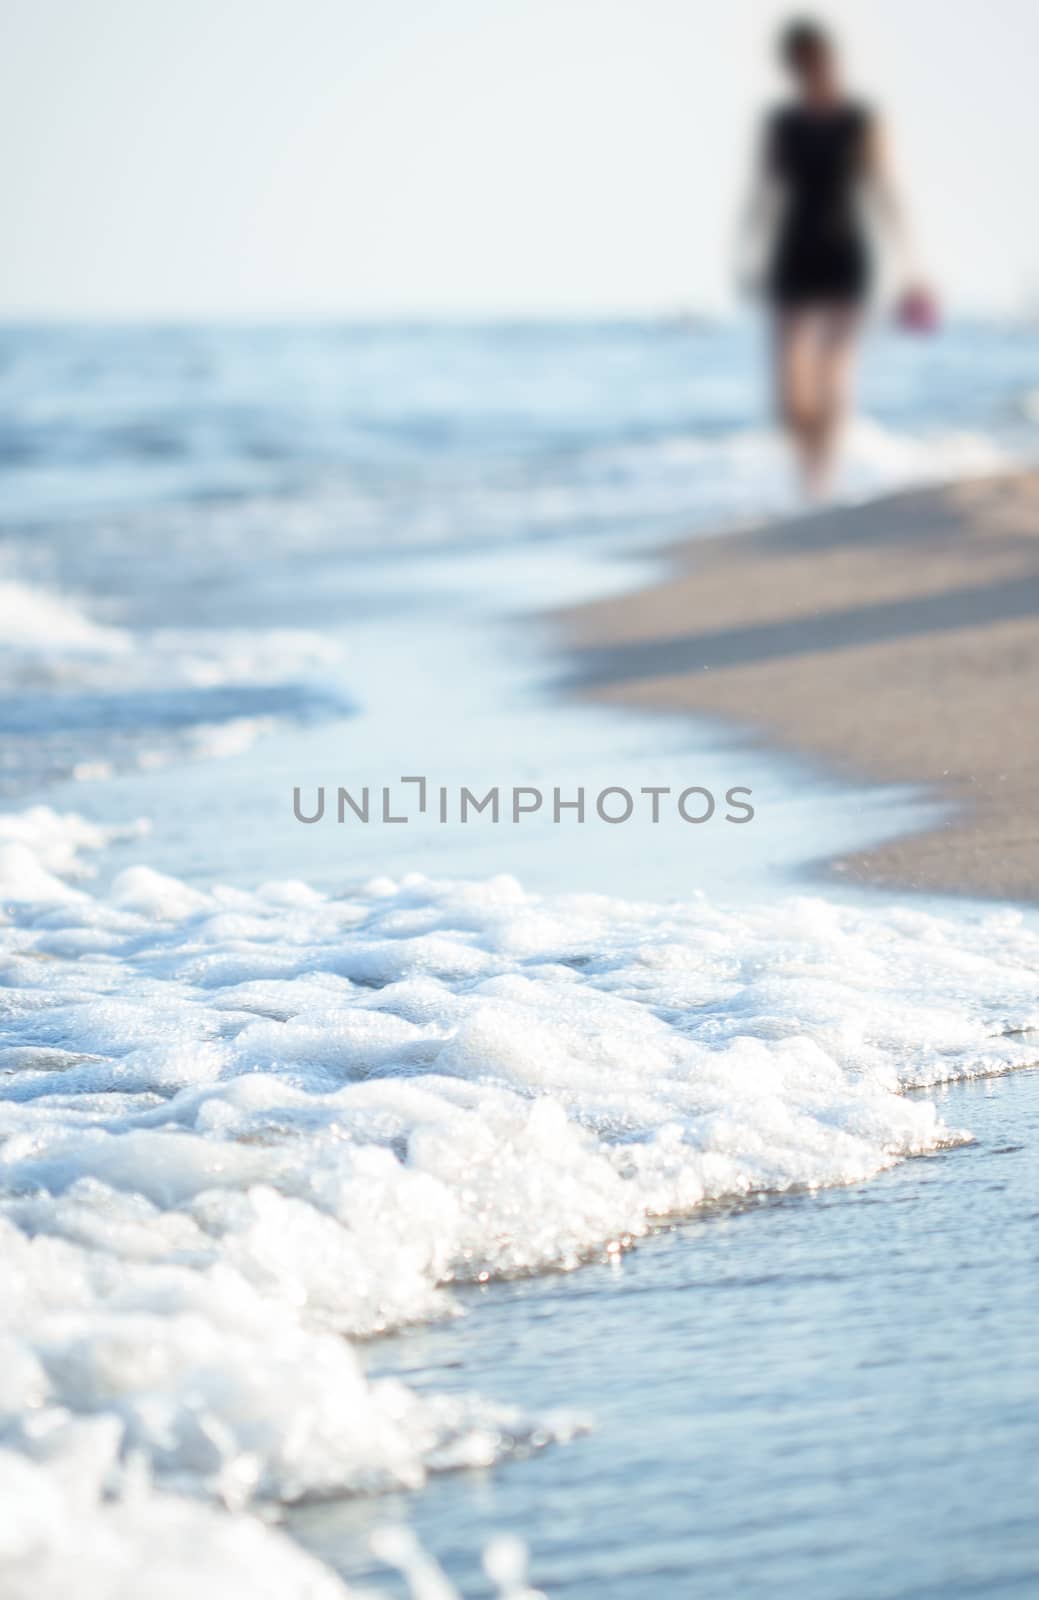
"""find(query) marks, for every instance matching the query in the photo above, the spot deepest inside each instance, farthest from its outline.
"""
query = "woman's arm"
(888, 202)
(758, 219)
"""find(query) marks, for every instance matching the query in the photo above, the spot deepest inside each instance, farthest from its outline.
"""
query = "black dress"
(821, 254)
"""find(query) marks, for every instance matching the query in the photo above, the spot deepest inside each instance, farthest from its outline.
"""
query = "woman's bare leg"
(814, 365)
(837, 350)
(799, 395)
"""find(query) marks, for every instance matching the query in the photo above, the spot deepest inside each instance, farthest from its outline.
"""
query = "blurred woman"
(822, 157)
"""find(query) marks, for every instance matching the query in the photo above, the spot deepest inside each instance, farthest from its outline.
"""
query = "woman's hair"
(802, 39)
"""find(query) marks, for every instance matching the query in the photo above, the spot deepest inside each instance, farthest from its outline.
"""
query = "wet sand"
(897, 640)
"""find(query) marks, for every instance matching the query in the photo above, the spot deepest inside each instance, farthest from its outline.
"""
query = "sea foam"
(243, 1130)
(81, 698)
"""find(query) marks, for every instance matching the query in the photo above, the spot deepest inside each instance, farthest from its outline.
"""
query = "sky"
(284, 158)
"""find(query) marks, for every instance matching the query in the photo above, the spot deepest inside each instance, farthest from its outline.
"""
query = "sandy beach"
(895, 640)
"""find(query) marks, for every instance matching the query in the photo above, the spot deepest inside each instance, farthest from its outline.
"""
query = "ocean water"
(354, 1174)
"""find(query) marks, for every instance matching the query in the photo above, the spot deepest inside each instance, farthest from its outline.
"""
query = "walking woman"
(822, 162)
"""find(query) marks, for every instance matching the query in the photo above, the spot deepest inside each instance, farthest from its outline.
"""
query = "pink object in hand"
(917, 311)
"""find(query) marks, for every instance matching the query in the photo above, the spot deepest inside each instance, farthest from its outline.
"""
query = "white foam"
(64, 1532)
(146, 697)
(40, 848)
(251, 1124)
(747, 472)
(79, 1522)
(35, 618)
(48, 642)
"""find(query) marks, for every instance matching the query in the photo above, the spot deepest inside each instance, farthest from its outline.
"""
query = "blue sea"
(493, 1205)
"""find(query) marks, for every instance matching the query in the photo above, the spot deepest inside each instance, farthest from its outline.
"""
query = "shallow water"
(485, 714)
(201, 526)
(828, 1395)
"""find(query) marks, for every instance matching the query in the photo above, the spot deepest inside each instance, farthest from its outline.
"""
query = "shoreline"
(894, 641)
(741, 1286)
